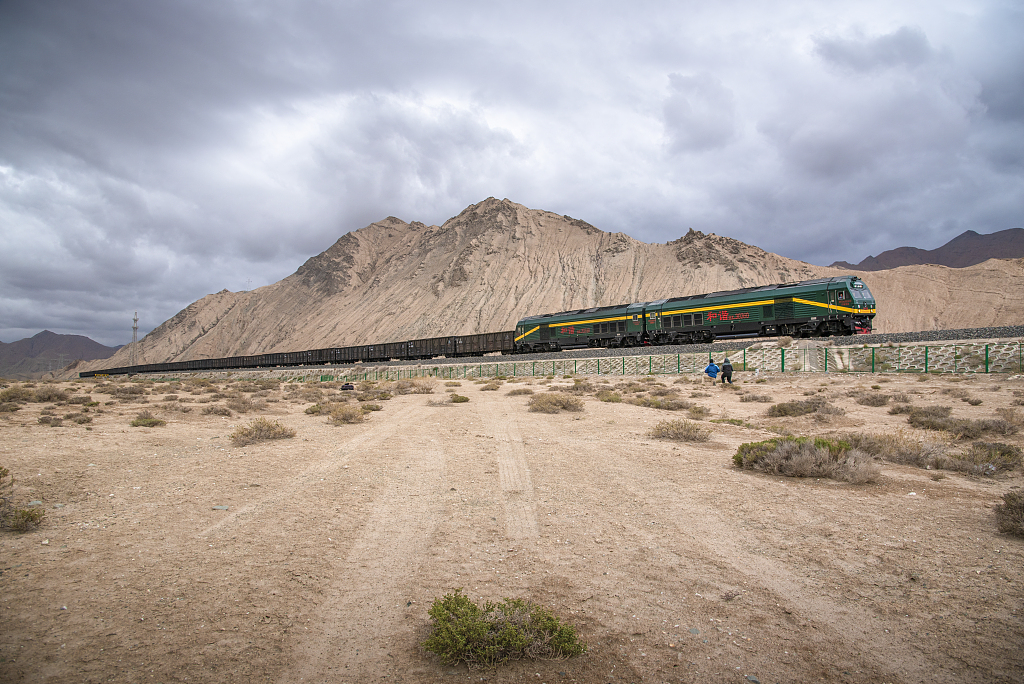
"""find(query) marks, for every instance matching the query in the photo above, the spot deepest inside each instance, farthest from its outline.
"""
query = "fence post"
(574, 369)
(783, 365)
(826, 359)
(986, 358)
(677, 362)
(650, 364)
(599, 366)
(872, 359)
(623, 366)
(926, 358)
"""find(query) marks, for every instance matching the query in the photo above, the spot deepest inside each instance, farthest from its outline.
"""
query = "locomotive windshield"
(861, 293)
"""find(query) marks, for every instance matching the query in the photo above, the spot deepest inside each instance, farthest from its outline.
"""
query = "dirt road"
(674, 565)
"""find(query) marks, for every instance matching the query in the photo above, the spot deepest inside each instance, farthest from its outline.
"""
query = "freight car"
(449, 346)
(822, 307)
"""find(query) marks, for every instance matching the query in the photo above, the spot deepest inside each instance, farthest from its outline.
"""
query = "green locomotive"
(820, 308)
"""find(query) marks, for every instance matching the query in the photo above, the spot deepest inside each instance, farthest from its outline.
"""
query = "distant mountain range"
(967, 249)
(35, 356)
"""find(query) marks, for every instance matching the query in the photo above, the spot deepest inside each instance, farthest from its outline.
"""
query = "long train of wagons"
(813, 308)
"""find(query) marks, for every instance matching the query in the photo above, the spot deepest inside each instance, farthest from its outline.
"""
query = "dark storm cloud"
(154, 152)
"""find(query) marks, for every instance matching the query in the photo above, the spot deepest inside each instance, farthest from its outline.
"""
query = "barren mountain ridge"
(498, 261)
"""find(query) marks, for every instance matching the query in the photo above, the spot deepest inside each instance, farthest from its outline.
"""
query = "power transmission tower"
(134, 355)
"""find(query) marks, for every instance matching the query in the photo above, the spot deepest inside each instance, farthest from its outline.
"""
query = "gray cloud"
(151, 153)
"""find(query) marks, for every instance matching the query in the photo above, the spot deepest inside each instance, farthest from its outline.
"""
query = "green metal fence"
(1004, 357)
(943, 358)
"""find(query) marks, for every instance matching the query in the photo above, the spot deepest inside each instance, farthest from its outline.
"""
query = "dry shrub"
(9, 407)
(425, 385)
(664, 392)
(17, 393)
(795, 408)
(80, 399)
(681, 431)
(762, 398)
(699, 412)
(52, 421)
(343, 414)
(458, 399)
(932, 418)
(260, 430)
(956, 392)
(1011, 416)
(373, 395)
(246, 405)
(452, 383)
(984, 458)
(827, 412)
(872, 399)
(901, 398)
(520, 391)
(371, 407)
(899, 448)
(314, 410)
(216, 410)
(17, 519)
(147, 419)
(49, 393)
(554, 403)
(124, 392)
(806, 457)
(490, 387)
(579, 387)
(973, 402)
(663, 404)
(1010, 513)
(784, 341)
(609, 396)
(170, 397)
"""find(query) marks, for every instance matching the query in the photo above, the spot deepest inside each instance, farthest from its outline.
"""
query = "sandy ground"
(674, 565)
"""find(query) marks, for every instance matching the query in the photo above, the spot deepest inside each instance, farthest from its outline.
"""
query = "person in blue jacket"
(712, 370)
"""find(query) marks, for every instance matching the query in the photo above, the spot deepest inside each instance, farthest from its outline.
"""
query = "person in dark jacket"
(727, 371)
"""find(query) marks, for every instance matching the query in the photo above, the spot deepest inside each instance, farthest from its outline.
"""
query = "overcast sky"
(154, 152)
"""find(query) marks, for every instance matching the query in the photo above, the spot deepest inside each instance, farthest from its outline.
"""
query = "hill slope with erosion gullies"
(498, 261)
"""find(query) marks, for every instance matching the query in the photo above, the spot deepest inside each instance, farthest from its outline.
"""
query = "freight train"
(821, 308)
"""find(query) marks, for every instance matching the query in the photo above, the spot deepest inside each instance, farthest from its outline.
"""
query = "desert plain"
(168, 554)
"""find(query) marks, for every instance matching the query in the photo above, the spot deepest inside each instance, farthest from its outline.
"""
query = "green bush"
(681, 431)
(497, 633)
(1010, 513)
(459, 399)
(806, 457)
(147, 419)
(314, 410)
(555, 402)
(260, 430)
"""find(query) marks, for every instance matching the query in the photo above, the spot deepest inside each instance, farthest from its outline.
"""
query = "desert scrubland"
(171, 554)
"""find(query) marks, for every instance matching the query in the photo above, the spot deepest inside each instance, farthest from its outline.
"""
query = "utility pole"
(133, 357)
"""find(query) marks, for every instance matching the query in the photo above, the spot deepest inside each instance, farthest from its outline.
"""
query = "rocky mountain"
(967, 249)
(498, 261)
(35, 356)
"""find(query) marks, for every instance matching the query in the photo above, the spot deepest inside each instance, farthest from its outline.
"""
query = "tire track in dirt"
(363, 616)
(513, 470)
(335, 460)
(722, 538)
